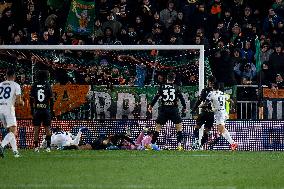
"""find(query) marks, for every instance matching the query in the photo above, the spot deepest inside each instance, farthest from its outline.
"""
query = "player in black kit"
(41, 102)
(205, 117)
(168, 110)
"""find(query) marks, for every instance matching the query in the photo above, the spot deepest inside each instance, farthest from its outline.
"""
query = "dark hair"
(10, 73)
(171, 77)
(42, 75)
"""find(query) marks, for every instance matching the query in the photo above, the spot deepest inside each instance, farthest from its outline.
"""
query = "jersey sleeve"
(209, 97)
(49, 91)
(155, 99)
(18, 89)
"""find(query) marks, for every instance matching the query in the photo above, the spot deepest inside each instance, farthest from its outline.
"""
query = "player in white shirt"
(64, 140)
(218, 101)
(10, 93)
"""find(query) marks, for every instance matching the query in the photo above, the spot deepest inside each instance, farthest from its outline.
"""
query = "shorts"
(220, 117)
(42, 117)
(206, 118)
(8, 119)
(168, 113)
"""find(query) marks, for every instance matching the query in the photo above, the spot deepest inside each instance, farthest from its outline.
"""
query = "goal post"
(118, 47)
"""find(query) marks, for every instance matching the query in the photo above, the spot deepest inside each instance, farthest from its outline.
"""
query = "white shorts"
(8, 118)
(220, 117)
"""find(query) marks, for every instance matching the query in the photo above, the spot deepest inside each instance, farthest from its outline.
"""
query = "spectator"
(248, 71)
(276, 60)
(270, 22)
(169, 15)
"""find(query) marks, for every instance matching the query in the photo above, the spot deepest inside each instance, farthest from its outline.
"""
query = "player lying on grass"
(119, 141)
(122, 141)
(64, 140)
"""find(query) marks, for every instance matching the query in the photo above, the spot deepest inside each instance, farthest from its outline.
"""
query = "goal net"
(119, 80)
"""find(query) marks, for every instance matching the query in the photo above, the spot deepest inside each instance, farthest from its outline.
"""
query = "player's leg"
(36, 124)
(161, 120)
(11, 125)
(77, 139)
(139, 138)
(207, 127)
(176, 119)
(179, 136)
(220, 121)
(198, 131)
(47, 125)
(36, 137)
(158, 127)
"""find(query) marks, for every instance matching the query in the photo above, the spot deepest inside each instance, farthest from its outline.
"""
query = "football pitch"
(143, 169)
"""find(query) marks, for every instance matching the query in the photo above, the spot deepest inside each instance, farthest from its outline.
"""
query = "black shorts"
(42, 117)
(206, 118)
(168, 113)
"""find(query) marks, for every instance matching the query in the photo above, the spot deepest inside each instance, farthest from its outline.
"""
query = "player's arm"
(182, 100)
(201, 98)
(156, 98)
(51, 101)
(19, 100)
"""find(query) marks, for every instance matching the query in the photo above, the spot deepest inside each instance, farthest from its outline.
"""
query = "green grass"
(143, 169)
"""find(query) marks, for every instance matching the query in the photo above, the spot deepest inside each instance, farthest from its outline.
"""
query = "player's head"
(218, 86)
(211, 81)
(42, 76)
(171, 77)
(11, 74)
(221, 86)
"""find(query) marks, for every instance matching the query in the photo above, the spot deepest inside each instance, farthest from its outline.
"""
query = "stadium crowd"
(227, 28)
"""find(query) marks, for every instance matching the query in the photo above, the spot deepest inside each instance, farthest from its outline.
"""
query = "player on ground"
(218, 100)
(205, 117)
(10, 92)
(64, 140)
(41, 103)
(168, 110)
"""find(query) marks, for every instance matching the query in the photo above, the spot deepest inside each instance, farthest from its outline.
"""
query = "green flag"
(81, 17)
(257, 55)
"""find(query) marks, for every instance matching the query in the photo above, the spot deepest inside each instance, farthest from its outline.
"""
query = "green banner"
(81, 17)
(132, 102)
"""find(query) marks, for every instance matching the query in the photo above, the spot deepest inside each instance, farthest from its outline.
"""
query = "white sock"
(227, 136)
(13, 143)
(77, 138)
(201, 132)
(6, 139)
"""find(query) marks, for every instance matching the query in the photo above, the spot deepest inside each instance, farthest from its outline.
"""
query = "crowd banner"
(81, 17)
(67, 98)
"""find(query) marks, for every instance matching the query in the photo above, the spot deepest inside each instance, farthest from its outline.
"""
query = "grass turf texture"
(143, 169)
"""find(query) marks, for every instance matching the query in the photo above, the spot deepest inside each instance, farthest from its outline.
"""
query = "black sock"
(196, 133)
(48, 141)
(179, 136)
(155, 137)
(35, 144)
(204, 138)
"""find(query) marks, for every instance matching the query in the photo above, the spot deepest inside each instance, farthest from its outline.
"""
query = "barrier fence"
(256, 135)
